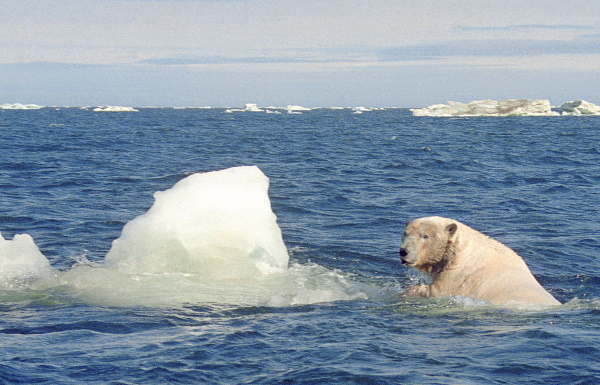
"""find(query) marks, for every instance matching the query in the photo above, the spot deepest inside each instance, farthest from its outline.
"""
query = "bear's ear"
(451, 229)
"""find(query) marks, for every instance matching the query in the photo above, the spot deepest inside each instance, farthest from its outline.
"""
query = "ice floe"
(248, 107)
(488, 107)
(579, 107)
(360, 110)
(217, 222)
(252, 107)
(19, 106)
(508, 107)
(21, 258)
(293, 109)
(114, 109)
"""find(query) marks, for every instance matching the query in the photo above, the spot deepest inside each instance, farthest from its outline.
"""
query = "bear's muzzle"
(403, 254)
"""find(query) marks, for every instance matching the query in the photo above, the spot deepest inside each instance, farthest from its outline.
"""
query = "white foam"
(508, 107)
(19, 106)
(21, 259)
(297, 285)
(114, 109)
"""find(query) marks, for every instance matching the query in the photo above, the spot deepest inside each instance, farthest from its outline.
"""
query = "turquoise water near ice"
(342, 186)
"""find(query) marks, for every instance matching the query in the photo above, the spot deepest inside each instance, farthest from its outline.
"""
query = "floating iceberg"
(214, 224)
(579, 107)
(292, 109)
(19, 106)
(508, 107)
(21, 259)
(248, 107)
(360, 110)
(251, 107)
(211, 238)
(114, 109)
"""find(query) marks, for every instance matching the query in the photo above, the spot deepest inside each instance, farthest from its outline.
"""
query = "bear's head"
(427, 243)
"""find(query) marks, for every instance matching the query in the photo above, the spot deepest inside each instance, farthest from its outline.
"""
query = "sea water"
(228, 247)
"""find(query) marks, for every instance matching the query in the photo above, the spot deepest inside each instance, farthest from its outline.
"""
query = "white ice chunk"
(216, 224)
(114, 109)
(211, 238)
(251, 107)
(361, 109)
(579, 107)
(508, 107)
(20, 258)
(19, 106)
(294, 109)
(248, 107)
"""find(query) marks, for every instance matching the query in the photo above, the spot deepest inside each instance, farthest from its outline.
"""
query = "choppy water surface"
(342, 186)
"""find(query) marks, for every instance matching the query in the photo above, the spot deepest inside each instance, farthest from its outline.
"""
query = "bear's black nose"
(403, 253)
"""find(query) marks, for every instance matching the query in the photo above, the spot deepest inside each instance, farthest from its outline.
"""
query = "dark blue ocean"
(342, 186)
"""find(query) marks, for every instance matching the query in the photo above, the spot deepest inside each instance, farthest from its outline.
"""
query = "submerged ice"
(211, 238)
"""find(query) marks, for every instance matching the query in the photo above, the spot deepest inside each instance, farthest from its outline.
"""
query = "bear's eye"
(405, 234)
(425, 236)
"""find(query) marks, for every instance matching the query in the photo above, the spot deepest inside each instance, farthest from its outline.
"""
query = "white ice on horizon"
(360, 109)
(488, 107)
(578, 108)
(508, 107)
(248, 107)
(253, 107)
(19, 106)
(295, 109)
(114, 109)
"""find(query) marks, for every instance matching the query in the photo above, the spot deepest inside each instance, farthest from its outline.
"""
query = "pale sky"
(308, 52)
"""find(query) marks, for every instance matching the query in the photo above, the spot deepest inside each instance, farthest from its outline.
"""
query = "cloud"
(524, 27)
(491, 48)
(368, 55)
(204, 60)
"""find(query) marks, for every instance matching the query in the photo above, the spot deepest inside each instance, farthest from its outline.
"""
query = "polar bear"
(464, 262)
